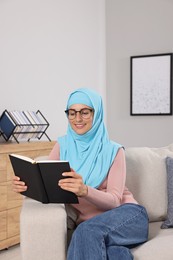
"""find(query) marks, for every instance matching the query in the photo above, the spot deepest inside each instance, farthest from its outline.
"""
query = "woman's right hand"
(18, 185)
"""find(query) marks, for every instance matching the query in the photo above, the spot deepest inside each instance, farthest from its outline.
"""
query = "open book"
(41, 178)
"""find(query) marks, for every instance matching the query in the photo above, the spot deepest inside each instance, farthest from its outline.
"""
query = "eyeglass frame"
(78, 111)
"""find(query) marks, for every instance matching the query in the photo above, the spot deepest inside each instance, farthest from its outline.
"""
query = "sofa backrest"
(147, 178)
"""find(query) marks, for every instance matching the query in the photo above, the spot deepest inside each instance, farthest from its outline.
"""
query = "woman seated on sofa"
(109, 220)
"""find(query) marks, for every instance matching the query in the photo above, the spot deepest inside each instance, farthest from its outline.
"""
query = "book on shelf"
(7, 125)
(37, 121)
(41, 178)
(36, 127)
(19, 128)
(24, 125)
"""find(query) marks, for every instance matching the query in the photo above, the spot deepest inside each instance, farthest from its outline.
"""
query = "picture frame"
(151, 84)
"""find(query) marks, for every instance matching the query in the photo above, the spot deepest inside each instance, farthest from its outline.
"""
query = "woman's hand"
(18, 186)
(74, 184)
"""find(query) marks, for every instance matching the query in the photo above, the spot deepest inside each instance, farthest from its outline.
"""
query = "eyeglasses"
(85, 113)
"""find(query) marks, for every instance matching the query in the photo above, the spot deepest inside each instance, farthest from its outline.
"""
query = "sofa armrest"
(43, 230)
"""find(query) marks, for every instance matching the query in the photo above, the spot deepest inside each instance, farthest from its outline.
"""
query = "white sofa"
(44, 227)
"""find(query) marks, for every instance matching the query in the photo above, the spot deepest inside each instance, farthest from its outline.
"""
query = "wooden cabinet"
(11, 202)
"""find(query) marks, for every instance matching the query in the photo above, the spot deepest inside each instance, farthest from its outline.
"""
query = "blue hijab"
(92, 153)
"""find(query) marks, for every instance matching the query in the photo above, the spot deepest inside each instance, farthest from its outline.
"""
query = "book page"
(49, 161)
(25, 158)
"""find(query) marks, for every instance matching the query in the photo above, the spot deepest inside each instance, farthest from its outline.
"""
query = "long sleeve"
(110, 193)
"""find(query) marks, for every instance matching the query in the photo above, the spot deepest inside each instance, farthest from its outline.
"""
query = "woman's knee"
(87, 231)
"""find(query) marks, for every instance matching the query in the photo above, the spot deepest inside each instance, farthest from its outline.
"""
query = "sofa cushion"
(168, 223)
(147, 178)
(158, 245)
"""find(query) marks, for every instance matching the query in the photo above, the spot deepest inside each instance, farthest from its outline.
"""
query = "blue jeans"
(110, 235)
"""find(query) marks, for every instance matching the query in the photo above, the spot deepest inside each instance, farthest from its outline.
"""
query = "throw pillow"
(168, 223)
(147, 178)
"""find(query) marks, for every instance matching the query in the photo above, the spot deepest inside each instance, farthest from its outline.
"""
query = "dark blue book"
(7, 125)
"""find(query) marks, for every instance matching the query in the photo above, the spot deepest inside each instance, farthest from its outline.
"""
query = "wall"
(135, 28)
(48, 49)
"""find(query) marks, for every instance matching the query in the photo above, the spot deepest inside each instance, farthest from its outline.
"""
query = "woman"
(109, 220)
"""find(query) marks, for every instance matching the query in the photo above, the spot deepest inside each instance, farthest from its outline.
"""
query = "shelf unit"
(11, 202)
(23, 125)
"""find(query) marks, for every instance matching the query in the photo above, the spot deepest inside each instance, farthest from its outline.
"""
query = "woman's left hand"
(74, 184)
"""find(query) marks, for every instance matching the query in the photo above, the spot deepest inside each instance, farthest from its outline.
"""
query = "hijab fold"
(92, 153)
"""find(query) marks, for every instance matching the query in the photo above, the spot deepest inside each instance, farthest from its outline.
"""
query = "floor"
(13, 253)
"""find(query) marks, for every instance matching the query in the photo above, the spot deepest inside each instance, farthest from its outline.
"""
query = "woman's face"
(80, 124)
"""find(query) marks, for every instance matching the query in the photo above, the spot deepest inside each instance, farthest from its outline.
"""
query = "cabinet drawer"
(14, 199)
(9, 171)
(3, 196)
(3, 165)
(13, 226)
(3, 162)
(3, 225)
(3, 175)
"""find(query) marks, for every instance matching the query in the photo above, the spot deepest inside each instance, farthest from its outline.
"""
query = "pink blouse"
(111, 193)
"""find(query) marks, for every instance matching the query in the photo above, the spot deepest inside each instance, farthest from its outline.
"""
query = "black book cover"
(41, 178)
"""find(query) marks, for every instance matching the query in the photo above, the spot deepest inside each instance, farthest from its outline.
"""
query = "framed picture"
(151, 84)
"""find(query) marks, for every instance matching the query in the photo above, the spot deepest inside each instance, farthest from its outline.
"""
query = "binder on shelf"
(23, 125)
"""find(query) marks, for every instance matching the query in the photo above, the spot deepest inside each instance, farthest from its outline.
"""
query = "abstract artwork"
(151, 84)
